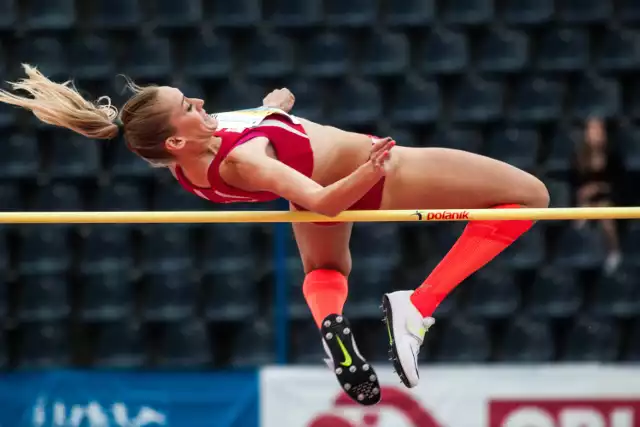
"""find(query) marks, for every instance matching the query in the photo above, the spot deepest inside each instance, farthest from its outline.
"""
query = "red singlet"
(292, 147)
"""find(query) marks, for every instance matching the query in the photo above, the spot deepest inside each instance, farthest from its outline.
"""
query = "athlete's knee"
(537, 194)
(341, 266)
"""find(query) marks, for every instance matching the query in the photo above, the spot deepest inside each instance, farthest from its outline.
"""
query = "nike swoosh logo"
(347, 357)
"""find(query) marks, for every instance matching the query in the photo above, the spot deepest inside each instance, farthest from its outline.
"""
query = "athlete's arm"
(254, 171)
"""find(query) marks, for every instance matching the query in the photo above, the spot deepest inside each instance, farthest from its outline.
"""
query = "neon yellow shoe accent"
(347, 357)
(389, 332)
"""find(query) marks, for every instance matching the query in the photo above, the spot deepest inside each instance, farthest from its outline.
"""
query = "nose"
(199, 103)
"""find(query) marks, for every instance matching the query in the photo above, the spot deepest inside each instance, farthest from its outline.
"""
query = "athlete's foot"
(406, 328)
(356, 377)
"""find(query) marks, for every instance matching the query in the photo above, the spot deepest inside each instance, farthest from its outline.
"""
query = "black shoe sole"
(358, 379)
(393, 352)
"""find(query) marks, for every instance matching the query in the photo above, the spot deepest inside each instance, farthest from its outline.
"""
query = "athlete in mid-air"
(266, 153)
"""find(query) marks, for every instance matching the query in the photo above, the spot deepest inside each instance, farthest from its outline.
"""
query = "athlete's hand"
(280, 98)
(380, 153)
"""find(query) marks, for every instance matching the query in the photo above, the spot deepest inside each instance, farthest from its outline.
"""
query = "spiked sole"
(393, 352)
(356, 377)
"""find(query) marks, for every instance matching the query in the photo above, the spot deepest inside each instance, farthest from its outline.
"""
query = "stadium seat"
(402, 136)
(464, 340)
(120, 196)
(504, 50)
(591, 339)
(21, 157)
(253, 346)
(125, 164)
(106, 295)
(43, 297)
(409, 13)
(492, 293)
(444, 52)
(50, 14)
(73, 156)
(559, 193)
(269, 56)
(628, 139)
(106, 248)
(309, 99)
(370, 278)
(48, 53)
(42, 345)
(581, 248)
(632, 353)
(296, 304)
(43, 250)
(527, 340)
(149, 58)
(295, 13)
(563, 49)
(619, 51)
(234, 14)
(57, 197)
(477, 100)
(537, 100)
(554, 293)
(527, 252)
(4, 349)
(165, 247)
(415, 101)
(468, 12)
(562, 151)
(516, 146)
(376, 241)
(4, 297)
(229, 293)
(358, 102)
(467, 139)
(354, 13)
(119, 344)
(306, 345)
(168, 14)
(326, 55)
(185, 345)
(585, 11)
(7, 112)
(528, 12)
(385, 54)
(114, 15)
(208, 58)
(596, 97)
(168, 195)
(629, 11)
(617, 294)
(11, 200)
(92, 58)
(224, 243)
(170, 294)
(238, 95)
(8, 14)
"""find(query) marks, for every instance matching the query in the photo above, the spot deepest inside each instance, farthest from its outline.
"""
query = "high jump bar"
(436, 215)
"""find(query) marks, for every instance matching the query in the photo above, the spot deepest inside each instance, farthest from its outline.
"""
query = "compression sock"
(325, 292)
(480, 242)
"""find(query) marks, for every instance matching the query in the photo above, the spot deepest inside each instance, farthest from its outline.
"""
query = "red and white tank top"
(286, 135)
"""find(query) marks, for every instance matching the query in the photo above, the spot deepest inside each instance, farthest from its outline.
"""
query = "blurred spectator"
(597, 177)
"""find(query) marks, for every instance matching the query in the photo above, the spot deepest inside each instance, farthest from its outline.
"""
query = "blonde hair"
(146, 127)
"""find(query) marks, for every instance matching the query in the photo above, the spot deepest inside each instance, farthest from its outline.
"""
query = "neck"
(196, 168)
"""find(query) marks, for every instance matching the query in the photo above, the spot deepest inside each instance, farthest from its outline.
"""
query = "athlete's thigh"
(324, 247)
(433, 178)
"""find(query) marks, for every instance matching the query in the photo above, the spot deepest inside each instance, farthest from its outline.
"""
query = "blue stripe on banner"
(127, 399)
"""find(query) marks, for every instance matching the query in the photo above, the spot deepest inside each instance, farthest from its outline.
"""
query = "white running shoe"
(406, 328)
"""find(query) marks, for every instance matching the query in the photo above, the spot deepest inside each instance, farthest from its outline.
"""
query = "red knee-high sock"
(480, 242)
(325, 292)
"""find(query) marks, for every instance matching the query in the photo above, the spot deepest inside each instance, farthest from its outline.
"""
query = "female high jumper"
(263, 154)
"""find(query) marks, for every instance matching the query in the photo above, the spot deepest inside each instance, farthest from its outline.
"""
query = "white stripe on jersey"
(284, 126)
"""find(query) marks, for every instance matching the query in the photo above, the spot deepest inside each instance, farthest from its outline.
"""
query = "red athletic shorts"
(369, 202)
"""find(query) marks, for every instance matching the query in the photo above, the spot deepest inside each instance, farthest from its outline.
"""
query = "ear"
(174, 143)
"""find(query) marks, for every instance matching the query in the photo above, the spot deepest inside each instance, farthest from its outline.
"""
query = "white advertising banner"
(537, 396)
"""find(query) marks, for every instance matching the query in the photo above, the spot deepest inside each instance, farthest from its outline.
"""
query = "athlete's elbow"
(324, 207)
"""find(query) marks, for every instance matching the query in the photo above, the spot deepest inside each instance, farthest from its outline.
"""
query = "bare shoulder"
(255, 147)
(244, 162)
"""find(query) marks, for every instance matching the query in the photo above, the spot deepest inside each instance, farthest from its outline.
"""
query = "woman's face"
(194, 128)
(595, 134)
